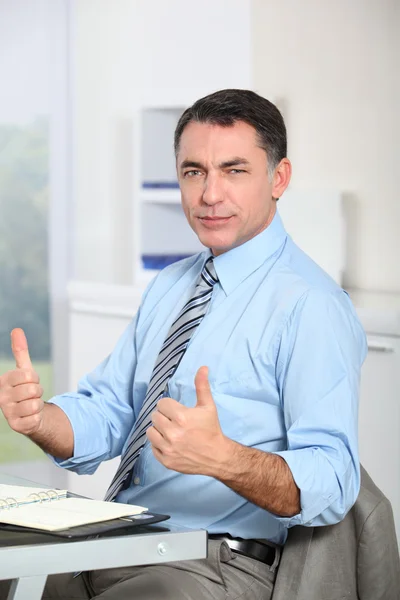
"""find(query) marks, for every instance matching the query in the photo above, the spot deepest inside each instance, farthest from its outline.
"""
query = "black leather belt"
(251, 548)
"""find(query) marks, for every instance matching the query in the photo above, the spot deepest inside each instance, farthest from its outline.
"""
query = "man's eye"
(191, 173)
(234, 171)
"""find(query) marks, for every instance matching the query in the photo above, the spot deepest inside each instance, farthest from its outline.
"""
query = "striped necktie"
(170, 355)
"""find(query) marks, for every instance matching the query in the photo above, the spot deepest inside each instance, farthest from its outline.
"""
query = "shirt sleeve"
(321, 352)
(101, 411)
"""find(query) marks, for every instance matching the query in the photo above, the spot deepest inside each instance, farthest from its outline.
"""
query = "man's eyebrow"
(191, 163)
(232, 162)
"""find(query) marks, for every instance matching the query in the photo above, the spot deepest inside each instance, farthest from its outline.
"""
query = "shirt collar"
(236, 265)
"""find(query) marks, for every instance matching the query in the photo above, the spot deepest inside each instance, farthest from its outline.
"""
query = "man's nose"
(213, 190)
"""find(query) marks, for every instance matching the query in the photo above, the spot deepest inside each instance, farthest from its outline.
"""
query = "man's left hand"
(189, 440)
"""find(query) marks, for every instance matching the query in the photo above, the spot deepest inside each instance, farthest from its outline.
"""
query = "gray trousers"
(222, 575)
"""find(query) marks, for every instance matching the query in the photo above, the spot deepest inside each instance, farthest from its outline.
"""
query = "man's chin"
(216, 246)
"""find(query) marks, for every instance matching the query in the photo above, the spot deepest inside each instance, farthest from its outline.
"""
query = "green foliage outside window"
(24, 299)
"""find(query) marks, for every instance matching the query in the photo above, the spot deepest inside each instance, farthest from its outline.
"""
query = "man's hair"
(226, 107)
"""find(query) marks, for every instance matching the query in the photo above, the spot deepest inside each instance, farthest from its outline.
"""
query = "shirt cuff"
(84, 446)
(316, 480)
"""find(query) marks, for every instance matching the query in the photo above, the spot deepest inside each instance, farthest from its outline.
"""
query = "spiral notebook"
(52, 510)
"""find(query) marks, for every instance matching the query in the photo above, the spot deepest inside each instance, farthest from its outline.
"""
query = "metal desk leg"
(27, 588)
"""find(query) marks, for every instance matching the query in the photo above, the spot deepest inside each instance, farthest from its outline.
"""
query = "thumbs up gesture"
(189, 440)
(20, 390)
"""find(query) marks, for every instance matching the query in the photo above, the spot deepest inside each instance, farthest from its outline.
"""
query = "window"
(28, 104)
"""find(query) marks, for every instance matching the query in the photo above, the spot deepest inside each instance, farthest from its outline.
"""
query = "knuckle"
(32, 407)
(174, 437)
(33, 390)
(36, 406)
(36, 418)
(181, 419)
(27, 376)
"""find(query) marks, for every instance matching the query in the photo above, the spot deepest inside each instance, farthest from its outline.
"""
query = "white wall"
(335, 67)
(127, 53)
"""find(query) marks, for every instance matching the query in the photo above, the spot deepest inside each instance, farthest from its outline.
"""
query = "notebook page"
(68, 512)
(20, 491)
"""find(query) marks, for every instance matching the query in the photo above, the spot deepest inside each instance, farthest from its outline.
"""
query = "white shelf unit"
(160, 228)
(160, 196)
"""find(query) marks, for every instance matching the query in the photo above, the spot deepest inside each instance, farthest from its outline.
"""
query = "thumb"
(19, 347)
(203, 390)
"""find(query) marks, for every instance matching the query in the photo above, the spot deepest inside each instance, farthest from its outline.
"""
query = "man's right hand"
(20, 390)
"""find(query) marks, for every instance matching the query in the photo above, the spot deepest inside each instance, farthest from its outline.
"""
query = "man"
(233, 394)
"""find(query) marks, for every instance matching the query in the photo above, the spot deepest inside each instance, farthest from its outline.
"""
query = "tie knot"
(208, 275)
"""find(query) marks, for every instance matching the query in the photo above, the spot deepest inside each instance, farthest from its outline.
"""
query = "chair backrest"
(356, 559)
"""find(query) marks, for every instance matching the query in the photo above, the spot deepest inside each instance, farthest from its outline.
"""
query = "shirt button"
(136, 481)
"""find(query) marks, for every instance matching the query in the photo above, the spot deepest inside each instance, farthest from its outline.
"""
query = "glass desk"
(28, 558)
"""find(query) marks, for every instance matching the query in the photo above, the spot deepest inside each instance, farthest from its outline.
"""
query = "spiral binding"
(40, 497)
(6, 505)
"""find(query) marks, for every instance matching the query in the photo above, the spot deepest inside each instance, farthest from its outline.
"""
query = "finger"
(203, 390)
(13, 396)
(160, 422)
(155, 438)
(25, 425)
(158, 455)
(170, 408)
(19, 346)
(27, 392)
(27, 408)
(20, 377)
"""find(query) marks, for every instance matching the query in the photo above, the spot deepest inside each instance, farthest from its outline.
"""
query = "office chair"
(356, 559)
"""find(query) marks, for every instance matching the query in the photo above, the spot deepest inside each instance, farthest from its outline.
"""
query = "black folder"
(122, 526)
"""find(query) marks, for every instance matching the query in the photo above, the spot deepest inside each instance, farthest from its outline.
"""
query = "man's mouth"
(206, 218)
(214, 221)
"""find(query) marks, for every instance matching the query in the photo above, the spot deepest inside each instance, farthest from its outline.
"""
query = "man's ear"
(281, 178)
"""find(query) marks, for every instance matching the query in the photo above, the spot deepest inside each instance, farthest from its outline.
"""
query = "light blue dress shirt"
(284, 349)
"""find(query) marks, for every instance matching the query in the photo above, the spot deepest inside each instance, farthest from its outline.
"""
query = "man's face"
(227, 195)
